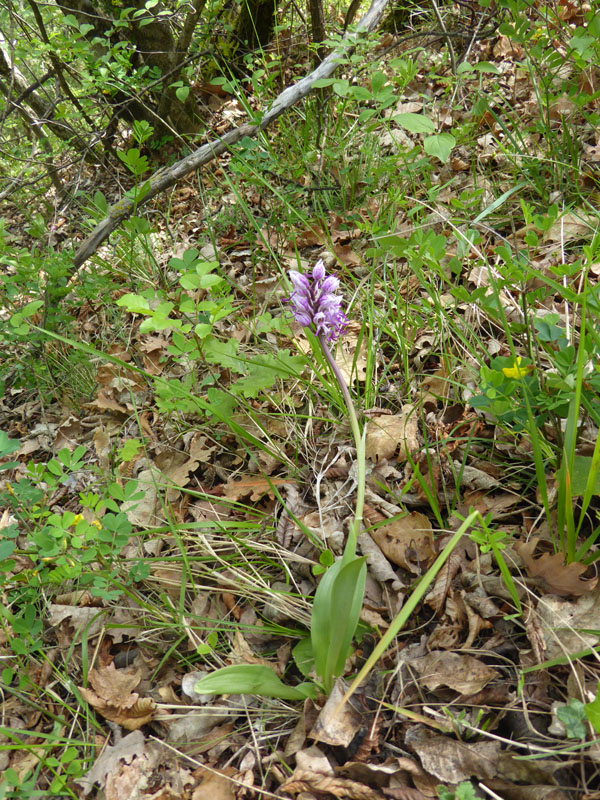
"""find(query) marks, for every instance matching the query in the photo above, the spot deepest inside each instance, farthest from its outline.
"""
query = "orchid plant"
(316, 304)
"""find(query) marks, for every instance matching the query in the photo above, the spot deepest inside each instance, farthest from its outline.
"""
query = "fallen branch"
(168, 176)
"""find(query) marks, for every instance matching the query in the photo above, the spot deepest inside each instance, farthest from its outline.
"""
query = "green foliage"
(494, 541)
(252, 679)
(592, 711)
(194, 329)
(464, 791)
(60, 547)
(573, 716)
(336, 610)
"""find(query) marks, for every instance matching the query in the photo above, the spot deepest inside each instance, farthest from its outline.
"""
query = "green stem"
(361, 471)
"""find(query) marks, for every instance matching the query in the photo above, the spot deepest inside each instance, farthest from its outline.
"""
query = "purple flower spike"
(315, 302)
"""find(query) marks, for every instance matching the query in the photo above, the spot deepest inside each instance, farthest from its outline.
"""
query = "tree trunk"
(255, 24)
(317, 29)
(155, 48)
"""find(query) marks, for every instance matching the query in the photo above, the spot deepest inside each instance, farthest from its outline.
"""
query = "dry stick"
(168, 176)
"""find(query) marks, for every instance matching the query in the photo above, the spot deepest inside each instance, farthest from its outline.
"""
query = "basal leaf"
(251, 679)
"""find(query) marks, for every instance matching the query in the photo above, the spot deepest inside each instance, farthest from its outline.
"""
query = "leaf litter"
(413, 726)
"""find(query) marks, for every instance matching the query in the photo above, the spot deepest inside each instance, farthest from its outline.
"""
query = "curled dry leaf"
(337, 726)
(351, 359)
(254, 487)
(558, 577)
(114, 698)
(407, 541)
(307, 781)
(437, 595)
(512, 791)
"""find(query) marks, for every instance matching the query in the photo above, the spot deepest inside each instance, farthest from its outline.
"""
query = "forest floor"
(178, 469)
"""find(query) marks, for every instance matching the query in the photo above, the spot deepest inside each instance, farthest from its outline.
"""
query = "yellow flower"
(517, 371)
(97, 524)
(76, 520)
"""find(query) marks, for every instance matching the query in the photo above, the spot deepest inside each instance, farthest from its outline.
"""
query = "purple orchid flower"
(314, 302)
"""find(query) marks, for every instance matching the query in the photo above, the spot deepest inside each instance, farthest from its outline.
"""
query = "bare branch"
(167, 177)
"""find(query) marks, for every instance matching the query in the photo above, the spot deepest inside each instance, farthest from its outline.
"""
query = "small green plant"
(464, 791)
(573, 716)
(494, 541)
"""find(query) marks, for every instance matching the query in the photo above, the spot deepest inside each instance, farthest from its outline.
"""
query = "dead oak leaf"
(407, 541)
(112, 696)
(254, 487)
(385, 432)
(461, 672)
(451, 761)
(558, 577)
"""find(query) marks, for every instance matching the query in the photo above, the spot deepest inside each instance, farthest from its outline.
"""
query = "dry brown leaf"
(105, 402)
(385, 432)
(215, 784)
(434, 388)
(306, 781)
(109, 761)
(254, 487)
(80, 617)
(346, 255)
(68, 433)
(564, 622)
(114, 698)
(142, 513)
(570, 226)
(451, 761)
(407, 542)
(558, 577)
(505, 47)
(512, 791)
(153, 348)
(337, 726)
(352, 361)
(458, 671)
(437, 595)
(494, 504)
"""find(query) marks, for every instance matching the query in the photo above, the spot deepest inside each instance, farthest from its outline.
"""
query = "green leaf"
(378, 81)
(182, 93)
(252, 679)
(320, 83)
(223, 353)
(573, 716)
(582, 467)
(7, 445)
(264, 370)
(220, 403)
(303, 656)
(440, 146)
(100, 202)
(487, 66)
(336, 611)
(592, 711)
(134, 303)
(129, 450)
(415, 123)
(6, 549)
